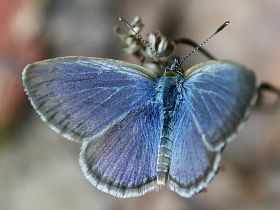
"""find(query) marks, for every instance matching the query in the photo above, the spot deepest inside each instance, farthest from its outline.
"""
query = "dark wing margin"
(79, 97)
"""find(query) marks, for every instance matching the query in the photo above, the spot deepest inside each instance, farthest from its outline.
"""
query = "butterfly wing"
(122, 160)
(79, 97)
(220, 95)
(111, 107)
(216, 99)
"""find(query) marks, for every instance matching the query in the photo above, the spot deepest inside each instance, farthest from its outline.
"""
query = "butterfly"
(143, 130)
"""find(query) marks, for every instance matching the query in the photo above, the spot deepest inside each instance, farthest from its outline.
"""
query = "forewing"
(79, 97)
(220, 95)
(122, 160)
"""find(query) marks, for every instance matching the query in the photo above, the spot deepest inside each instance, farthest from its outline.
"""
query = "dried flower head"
(133, 45)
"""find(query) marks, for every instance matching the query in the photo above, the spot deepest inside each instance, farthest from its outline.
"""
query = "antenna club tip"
(120, 18)
(222, 27)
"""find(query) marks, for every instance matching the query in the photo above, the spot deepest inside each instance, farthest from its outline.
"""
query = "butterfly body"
(170, 94)
(140, 130)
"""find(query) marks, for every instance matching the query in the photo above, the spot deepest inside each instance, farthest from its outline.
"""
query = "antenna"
(204, 42)
(142, 39)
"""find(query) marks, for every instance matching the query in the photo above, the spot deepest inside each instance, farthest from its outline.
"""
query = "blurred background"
(40, 170)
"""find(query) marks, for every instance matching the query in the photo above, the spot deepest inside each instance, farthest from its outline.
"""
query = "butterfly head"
(174, 67)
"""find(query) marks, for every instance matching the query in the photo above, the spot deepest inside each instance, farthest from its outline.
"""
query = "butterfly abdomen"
(169, 93)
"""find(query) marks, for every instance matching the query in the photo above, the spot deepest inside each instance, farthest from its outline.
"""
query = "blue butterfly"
(141, 130)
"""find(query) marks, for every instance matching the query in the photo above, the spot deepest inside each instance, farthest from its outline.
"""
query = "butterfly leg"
(192, 43)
